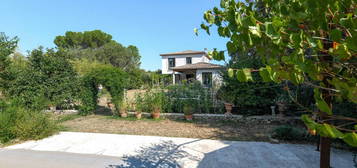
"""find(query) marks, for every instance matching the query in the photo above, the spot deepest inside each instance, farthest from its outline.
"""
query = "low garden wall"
(256, 119)
(62, 111)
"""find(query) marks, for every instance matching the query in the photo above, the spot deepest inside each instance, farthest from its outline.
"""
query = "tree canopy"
(7, 47)
(301, 41)
(99, 46)
(83, 40)
(48, 76)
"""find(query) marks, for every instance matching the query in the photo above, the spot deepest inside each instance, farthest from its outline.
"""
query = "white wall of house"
(181, 60)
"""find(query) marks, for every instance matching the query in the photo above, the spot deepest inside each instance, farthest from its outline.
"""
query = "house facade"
(191, 65)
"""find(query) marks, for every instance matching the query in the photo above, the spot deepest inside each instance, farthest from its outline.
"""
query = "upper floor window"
(171, 62)
(188, 60)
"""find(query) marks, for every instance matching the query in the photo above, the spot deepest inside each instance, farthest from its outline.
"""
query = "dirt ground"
(207, 129)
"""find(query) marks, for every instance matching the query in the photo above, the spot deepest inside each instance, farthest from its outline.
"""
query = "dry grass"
(223, 130)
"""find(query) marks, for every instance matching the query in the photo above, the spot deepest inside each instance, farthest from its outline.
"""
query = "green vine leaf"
(230, 72)
(241, 76)
(321, 103)
(195, 30)
(309, 122)
(350, 139)
(209, 17)
(327, 130)
(248, 74)
(255, 30)
(263, 72)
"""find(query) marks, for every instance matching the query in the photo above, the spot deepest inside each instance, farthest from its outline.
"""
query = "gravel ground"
(223, 130)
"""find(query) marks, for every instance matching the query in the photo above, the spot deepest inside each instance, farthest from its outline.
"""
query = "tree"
(48, 76)
(7, 47)
(99, 46)
(83, 40)
(301, 41)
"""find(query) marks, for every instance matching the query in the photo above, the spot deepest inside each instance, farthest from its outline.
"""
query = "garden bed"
(203, 128)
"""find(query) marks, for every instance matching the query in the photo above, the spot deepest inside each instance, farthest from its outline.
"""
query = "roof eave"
(193, 53)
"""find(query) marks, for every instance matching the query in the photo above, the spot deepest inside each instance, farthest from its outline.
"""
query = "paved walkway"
(79, 150)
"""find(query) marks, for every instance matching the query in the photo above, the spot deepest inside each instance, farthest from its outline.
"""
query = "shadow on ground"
(163, 155)
(235, 155)
(103, 110)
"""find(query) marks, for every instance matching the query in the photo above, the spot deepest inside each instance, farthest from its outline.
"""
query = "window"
(177, 78)
(190, 77)
(207, 79)
(188, 60)
(171, 62)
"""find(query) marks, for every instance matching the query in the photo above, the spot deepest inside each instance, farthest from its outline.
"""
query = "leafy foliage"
(149, 100)
(7, 47)
(113, 79)
(99, 46)
(173, 98)
(48, 75)
(83, 40)
(252, 98)
(84, 66)
(200, 98)
(22, 123)
(126, 58)
(155, 78)
(289, 133)
(301, 41)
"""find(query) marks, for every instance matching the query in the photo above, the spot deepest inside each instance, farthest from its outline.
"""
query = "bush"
(148, 101)
(171, 99)
(202, 99)
(46, 74)
(19, 122)
(251, 98)
(289, 133)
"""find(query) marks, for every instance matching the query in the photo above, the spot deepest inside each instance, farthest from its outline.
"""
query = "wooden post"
(325, 145)
(325, 142)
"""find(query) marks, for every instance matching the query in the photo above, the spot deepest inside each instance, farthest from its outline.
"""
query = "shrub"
(288, 133)
(47, 74)
(201, 98)
(148, 101)
(32, 125)
(19, 122)
(171, 99)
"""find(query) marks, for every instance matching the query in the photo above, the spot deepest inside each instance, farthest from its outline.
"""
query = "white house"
(191, 65)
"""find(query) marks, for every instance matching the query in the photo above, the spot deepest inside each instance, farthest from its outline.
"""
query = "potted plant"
(138, 115)
(138, 110)
(123, 109)
(156, 102)
(228, 99)
(156, 112)
(138, 106)
(188, 111)
(282, 101)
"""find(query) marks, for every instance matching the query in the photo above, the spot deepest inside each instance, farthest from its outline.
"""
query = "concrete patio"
(79, 150)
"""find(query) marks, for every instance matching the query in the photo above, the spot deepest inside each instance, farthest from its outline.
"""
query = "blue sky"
(155, 26)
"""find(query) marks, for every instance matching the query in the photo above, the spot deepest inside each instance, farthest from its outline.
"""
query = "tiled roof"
(199, 65)
(184, 53)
